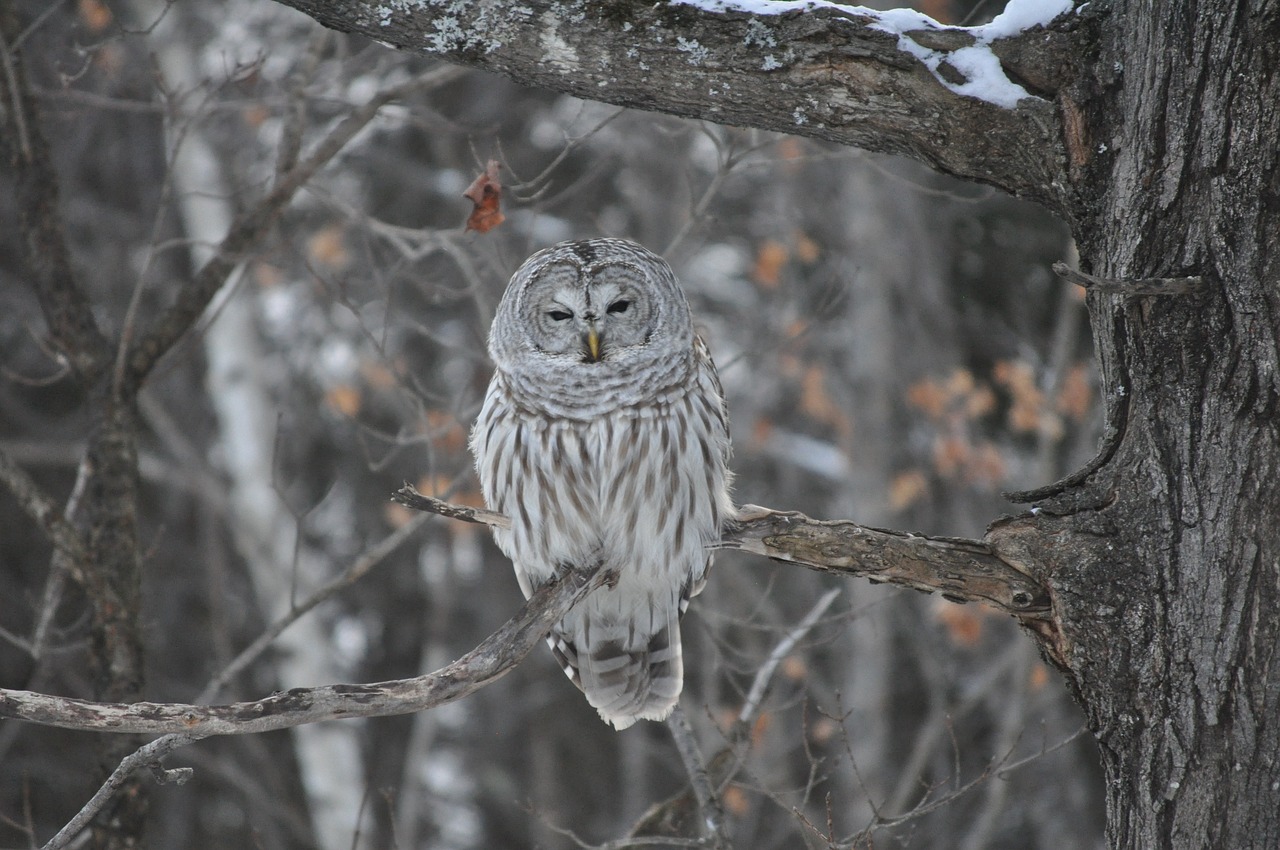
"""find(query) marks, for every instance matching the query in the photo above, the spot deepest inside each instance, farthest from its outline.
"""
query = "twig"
(411, 498)
(1130, 286)
(148, 755)
(352, 574)
(708, 801)
(765, 674)
(249, 228)
(673, 816)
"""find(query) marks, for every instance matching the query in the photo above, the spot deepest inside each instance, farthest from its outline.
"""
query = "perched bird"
(604, 438)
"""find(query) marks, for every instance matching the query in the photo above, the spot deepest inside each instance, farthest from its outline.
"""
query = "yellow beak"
(593, 344)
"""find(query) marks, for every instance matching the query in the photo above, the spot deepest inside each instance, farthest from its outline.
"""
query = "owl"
(604, 437)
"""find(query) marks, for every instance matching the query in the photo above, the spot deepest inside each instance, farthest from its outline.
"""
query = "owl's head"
(600, 304)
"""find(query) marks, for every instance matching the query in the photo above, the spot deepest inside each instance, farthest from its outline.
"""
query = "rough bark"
(1165, 563)
(1157, 143)
(822, 73)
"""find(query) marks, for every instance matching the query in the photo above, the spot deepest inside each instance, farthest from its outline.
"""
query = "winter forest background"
(893, 346)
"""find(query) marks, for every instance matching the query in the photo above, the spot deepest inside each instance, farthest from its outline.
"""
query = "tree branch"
(250, 227)
(961, 570)
(40, 507)
(1131, 286)
(892, 82)
(24, 150)
(492, 659)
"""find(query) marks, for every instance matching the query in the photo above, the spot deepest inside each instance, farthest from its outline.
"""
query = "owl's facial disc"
(594, 314)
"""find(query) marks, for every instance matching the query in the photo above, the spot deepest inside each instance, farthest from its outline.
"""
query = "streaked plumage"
(604, 437)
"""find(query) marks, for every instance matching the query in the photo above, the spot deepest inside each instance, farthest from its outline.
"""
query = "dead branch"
(493, 658)
(1130, 286)
(962, 570)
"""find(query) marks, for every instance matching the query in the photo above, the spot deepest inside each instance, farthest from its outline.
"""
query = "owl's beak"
(593, 344)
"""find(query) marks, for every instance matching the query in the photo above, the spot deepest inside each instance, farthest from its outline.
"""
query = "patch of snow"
(984, 77)
(1020, 16)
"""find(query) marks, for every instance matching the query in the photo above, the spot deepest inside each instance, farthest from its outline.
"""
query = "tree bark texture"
(821, 73)
(1168, 581)
(1154, 134)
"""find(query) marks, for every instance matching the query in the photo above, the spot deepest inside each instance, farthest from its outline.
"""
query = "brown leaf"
(328, 247)
(735, 800)
(486, 193)
(907, 488)
(930, 397)
(770, 258)
(96, 16)
(962, 622)
(1075, 398)
(344, 399)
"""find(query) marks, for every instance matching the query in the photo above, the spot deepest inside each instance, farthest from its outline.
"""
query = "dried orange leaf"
(794, 668)
(770, 259)
(735, 801)
(344, 398)
(328, 247)
(928, 396)
(1075, 398)
(486, 193)
(963, 623)
(907, 488)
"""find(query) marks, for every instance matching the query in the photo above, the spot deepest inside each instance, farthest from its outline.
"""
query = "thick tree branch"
(492, 659)
(961, 570)
(894, 82)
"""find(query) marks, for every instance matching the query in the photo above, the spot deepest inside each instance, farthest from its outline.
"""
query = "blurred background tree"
(892, 344)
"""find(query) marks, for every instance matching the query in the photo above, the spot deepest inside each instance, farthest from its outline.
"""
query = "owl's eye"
(619, 306)
(559, 315)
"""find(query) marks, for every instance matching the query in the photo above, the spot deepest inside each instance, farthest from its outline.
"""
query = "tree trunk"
(1167, 592)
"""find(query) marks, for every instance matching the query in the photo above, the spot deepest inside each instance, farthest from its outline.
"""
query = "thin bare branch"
(492, 659)
(713, 826)
(41, 508)
(250, 227)
(760, 684)
(362, 565)
(409, 496)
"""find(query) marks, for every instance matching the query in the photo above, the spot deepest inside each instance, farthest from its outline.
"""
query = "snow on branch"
(977, 102)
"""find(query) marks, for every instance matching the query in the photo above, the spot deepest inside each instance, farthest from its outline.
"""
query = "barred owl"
(604, 438)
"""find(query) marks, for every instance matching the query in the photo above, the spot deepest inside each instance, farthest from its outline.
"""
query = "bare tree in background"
(255, 313)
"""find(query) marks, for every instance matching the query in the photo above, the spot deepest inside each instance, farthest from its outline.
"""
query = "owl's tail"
(630, 668)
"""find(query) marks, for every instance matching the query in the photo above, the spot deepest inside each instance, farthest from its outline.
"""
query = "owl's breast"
(637, 488)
